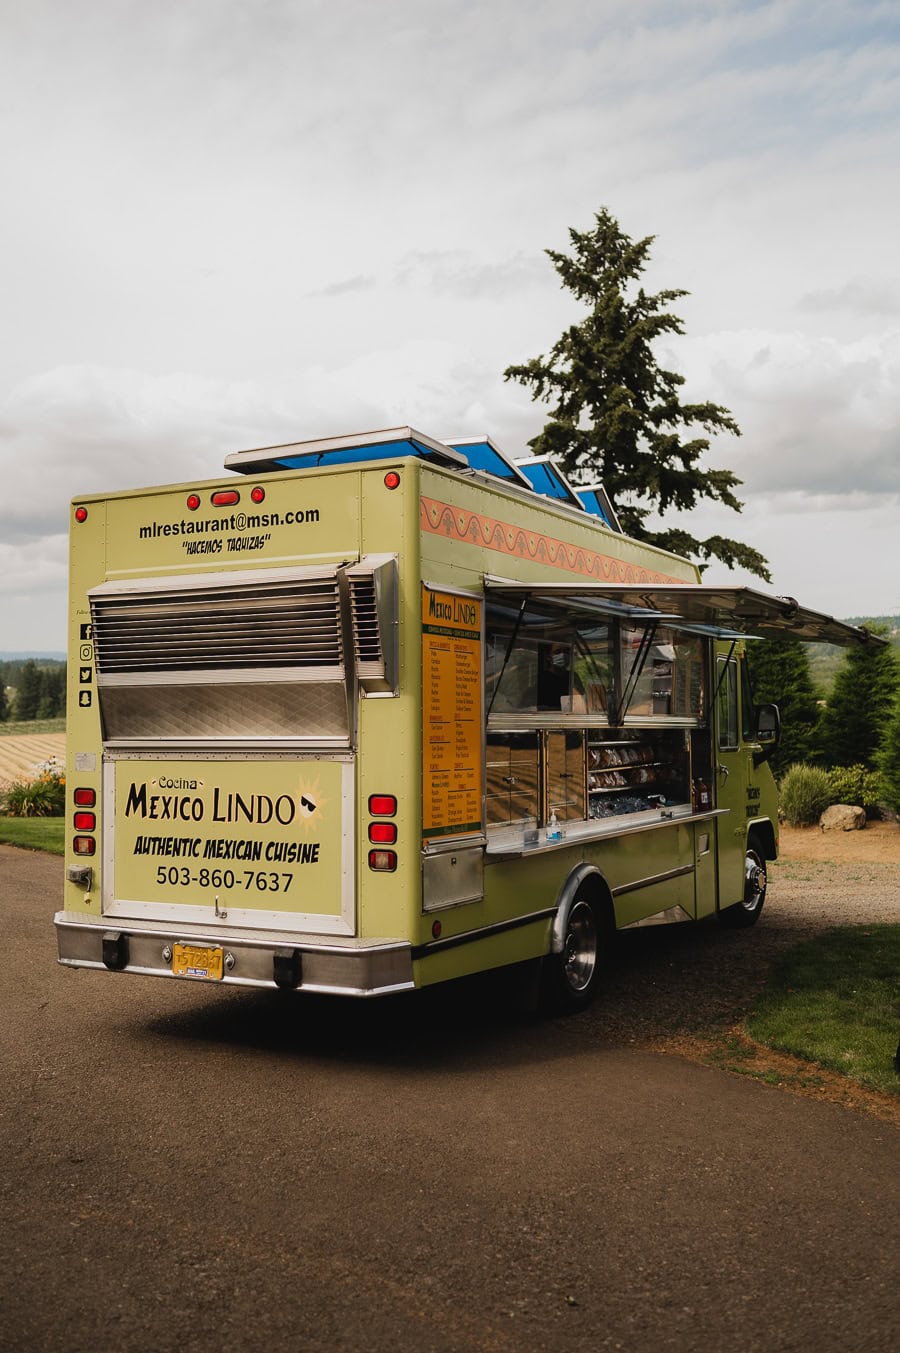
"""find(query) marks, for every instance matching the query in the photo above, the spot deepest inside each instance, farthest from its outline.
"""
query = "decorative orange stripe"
(473, 528)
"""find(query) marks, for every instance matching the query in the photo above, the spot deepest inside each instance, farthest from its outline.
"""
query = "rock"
(843, 817)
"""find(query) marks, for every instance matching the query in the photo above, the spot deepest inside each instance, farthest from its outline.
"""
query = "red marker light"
(258, 494)
(85, 822)
(81, 514)
(383, 833)
(436, 929)
(193, 501)
(382, 805)
(85, 798)
(226, 498)
(392, 480)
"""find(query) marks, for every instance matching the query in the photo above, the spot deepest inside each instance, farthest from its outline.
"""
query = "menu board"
(452, 731)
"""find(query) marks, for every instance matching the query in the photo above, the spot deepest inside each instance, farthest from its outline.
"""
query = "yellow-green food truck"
(380, 711)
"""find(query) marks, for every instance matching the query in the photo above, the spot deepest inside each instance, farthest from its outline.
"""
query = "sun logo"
(310, 803)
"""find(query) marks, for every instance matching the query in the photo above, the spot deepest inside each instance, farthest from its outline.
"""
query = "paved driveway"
(192, 1169)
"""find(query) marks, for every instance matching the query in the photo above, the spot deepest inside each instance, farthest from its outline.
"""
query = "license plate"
(198, 961)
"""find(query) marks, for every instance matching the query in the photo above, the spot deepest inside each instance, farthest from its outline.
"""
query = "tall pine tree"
(860, 705)
(30, 691)
(888, 759)
(779, 672)
(616, 413)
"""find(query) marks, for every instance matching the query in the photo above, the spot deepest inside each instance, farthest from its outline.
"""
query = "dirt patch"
(877, 843)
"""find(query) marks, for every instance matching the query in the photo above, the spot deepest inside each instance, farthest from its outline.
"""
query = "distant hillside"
(32, 653)
(825, 659)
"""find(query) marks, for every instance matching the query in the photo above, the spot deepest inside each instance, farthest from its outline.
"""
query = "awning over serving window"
(725, 612)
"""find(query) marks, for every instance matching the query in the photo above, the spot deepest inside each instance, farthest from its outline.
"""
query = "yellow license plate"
(197, 960)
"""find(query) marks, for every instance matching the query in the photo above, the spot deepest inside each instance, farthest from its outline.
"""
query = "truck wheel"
(747, 911)
(570, 978)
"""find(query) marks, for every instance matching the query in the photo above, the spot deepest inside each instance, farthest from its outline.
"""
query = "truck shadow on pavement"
(659, 982)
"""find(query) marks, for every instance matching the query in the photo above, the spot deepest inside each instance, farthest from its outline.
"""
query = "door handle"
(723, 770)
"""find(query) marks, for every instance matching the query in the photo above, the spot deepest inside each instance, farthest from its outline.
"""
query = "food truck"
(380, 711)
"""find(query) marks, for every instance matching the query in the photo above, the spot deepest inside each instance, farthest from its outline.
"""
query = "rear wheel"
(747, 912)
(571, 977)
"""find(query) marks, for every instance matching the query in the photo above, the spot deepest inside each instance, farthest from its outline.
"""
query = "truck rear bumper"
(278, 961)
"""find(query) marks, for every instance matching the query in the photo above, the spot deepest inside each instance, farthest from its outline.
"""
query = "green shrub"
(44, 796)
(855, 784)
(804, 794)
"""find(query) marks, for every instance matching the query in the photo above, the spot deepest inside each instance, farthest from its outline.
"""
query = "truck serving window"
(671, 679)
(539, 662)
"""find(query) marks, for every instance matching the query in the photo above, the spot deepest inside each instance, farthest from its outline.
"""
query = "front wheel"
(571, 977)
(747, 912)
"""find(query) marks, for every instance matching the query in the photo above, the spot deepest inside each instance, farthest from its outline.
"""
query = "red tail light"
(382, 805)
(85, 822)
(383, 833)
(85, 798)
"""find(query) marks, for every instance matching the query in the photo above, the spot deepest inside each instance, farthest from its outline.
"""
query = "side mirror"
(768, 732)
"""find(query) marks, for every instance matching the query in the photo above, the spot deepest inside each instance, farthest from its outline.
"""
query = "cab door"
(732, 775)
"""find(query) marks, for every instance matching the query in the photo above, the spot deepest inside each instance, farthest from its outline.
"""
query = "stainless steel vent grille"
(366, 629)
(372, 587)
(290, 624)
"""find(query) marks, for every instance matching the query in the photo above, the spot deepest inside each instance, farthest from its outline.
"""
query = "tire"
(748, 911)
(570, 979)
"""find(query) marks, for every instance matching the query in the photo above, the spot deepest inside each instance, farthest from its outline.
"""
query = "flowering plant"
(44, 795)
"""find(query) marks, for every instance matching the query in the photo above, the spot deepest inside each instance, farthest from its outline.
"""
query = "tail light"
(383, 833)
(83, 821)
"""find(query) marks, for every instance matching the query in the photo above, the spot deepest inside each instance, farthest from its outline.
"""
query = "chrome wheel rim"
(580, 948)
(754, 881)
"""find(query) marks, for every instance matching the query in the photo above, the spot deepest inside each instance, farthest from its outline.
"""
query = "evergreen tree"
(616, 413)
(859, 707)
(779, 673)
(53, 692)
(30, 691)
(59, 690)
(889, 759)
(4, 703)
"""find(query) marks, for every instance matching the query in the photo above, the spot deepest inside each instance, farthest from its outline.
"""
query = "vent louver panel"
(372, 587)
(293, 624)
(366, 629)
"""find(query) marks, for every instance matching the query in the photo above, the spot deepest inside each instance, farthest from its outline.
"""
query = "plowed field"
(19, 755)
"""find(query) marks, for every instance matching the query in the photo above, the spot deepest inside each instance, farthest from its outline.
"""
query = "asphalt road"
(189, 1169)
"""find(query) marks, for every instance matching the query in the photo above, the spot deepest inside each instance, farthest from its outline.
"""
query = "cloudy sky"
(227, 223)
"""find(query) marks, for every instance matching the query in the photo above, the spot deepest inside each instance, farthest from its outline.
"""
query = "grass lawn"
(35, 833)
(835, 1000)
(33, 726)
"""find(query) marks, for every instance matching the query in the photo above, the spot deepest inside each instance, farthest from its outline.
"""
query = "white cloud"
(227, 225)
(820, 418)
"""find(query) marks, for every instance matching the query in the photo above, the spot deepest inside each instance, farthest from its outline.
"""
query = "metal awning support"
(509, 649)
(722, 674)
(647, 637)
